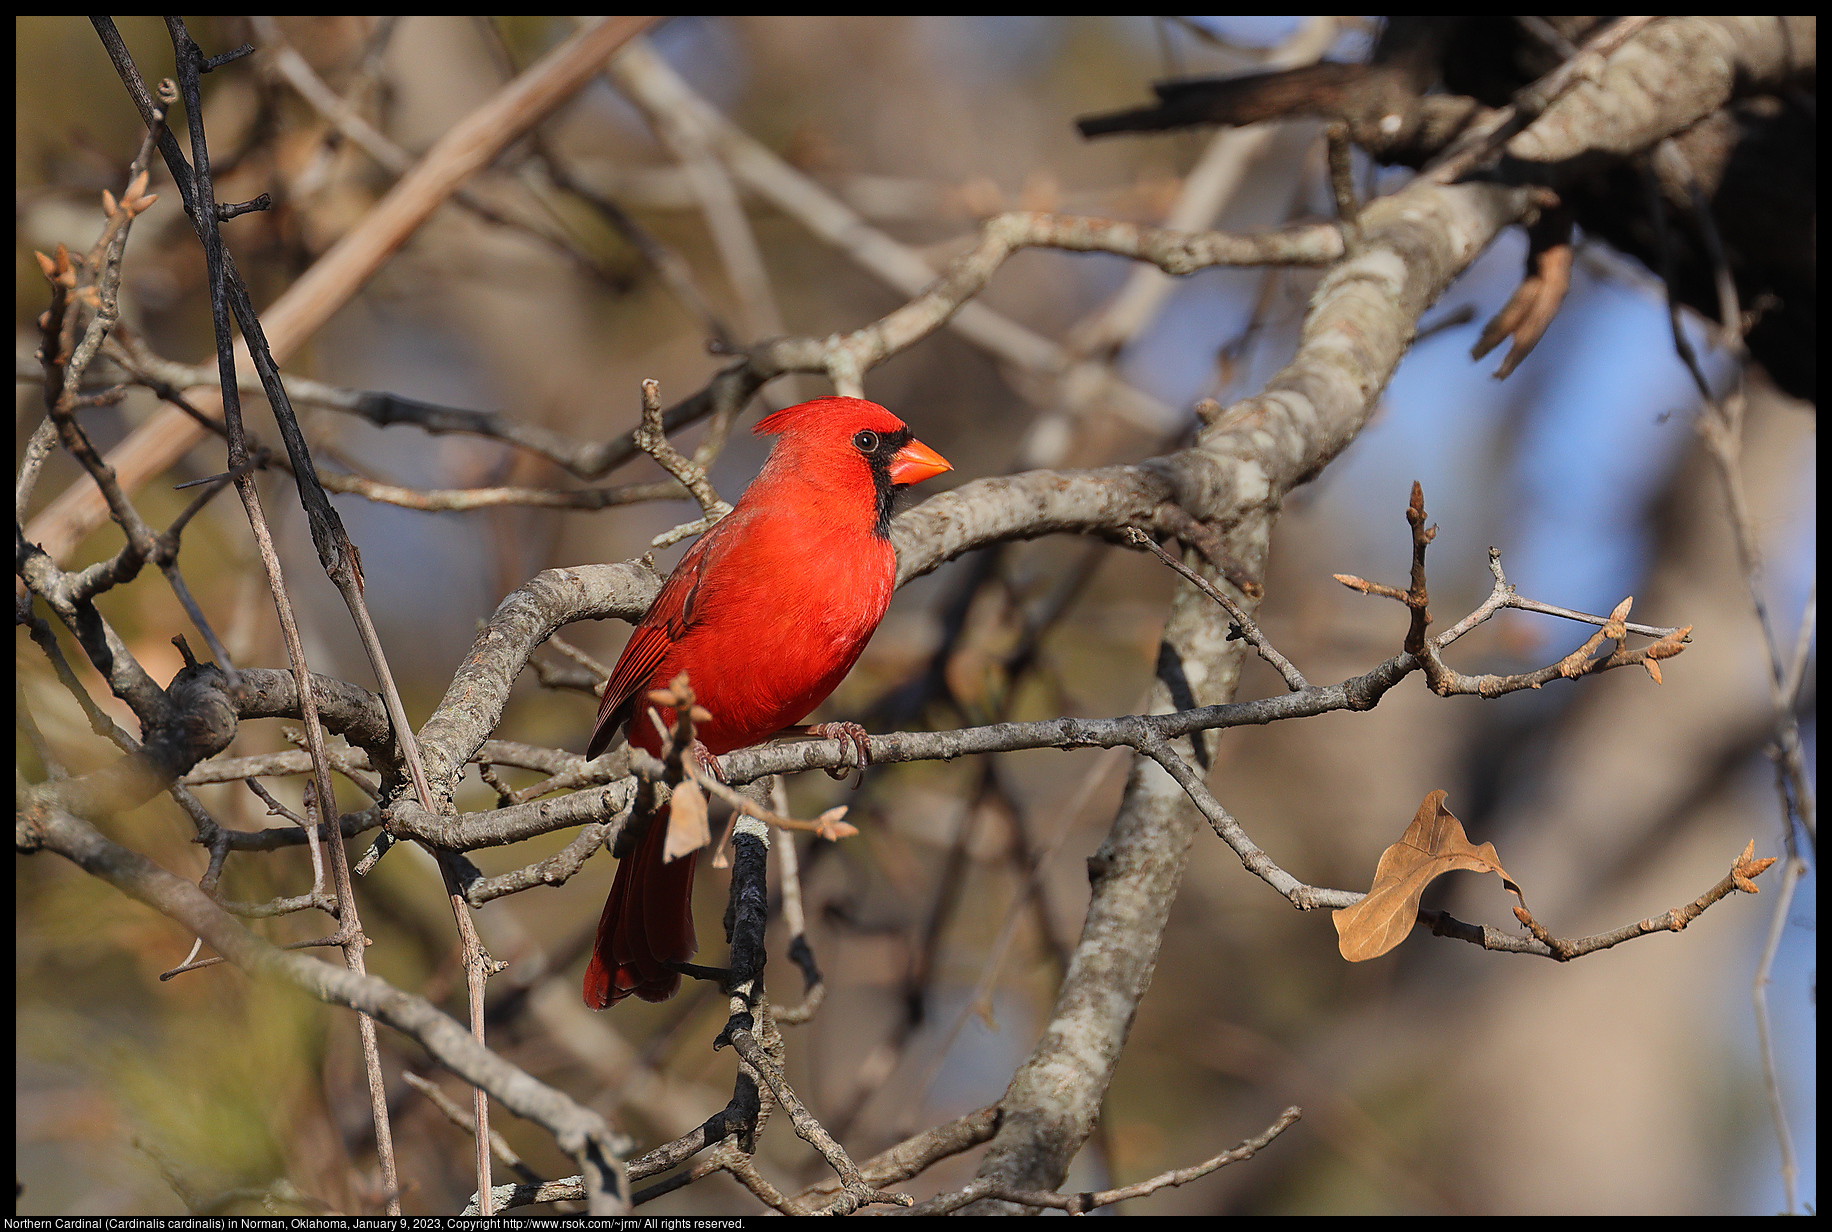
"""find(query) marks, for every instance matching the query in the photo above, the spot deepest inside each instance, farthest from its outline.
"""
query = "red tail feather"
(647, 924)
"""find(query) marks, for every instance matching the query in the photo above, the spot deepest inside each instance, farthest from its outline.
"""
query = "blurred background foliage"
(1438, 1079)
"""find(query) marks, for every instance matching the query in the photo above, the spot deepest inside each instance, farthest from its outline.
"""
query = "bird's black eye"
(866, 442)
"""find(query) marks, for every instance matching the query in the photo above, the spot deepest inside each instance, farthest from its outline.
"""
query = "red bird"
(766, 614)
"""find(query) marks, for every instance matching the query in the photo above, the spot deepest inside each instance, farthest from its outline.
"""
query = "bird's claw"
(850, 735)
(707, 760)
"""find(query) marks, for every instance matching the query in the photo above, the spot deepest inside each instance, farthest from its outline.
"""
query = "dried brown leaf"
(687, 828)
(829, 826)
(1434, 844)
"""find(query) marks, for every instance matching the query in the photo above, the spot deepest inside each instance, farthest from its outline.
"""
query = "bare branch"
(466, 148)
(1671, 72)
(580, 1132)
(284, 62)
(857, 1191)
(1531, 102)
(1743, 870)
(650, 438)
(1080, 1204)
(1294, 679)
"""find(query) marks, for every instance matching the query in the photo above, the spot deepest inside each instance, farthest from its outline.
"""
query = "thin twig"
(731, 231)
(201, 203)
(468, 1123)
(284, 61)
(275, 808)
(644, 76)
(911, 1157)
(45, 827)
(1721, 428)
(652, 439)
(314, 298)
(1081, 1203)
(858, 1191)
(1243, 623)
(1758, 992)
(1447, 681)
(1743, 870)
(675, 274)
(1029, 888)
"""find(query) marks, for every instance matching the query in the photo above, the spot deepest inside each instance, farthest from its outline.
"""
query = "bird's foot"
(850, 735)
(706, 759)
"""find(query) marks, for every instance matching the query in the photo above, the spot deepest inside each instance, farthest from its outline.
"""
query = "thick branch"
(1667, 78)
(473, 704)
(1362, 320)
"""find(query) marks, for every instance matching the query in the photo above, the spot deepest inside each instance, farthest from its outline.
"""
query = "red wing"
(640, 657)
(669, 617)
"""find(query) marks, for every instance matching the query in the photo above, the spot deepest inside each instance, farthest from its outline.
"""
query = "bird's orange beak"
(916, 462)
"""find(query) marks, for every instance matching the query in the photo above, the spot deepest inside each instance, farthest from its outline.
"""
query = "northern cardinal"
(766, 614)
